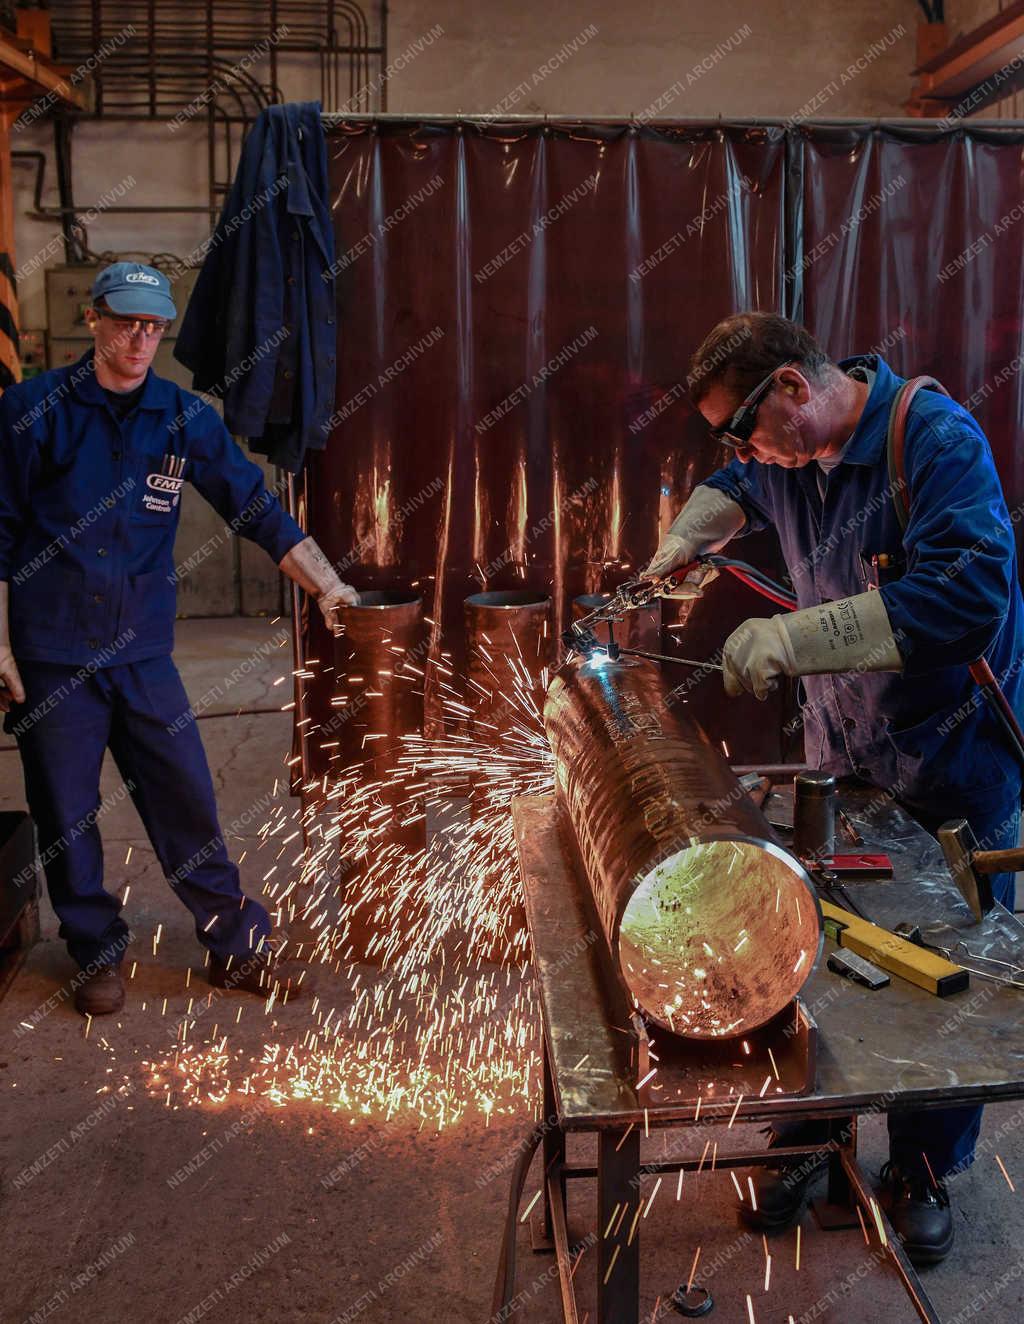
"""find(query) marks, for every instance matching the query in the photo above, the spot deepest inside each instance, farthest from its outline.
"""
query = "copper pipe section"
(509, 647)
(509, 644)
(637, 629)
(379, 664)
(712, 925)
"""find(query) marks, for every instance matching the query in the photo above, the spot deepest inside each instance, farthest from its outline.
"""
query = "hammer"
(970, 866)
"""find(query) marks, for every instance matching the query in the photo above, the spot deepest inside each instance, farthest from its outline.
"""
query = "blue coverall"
(89, 505)
(951, 592)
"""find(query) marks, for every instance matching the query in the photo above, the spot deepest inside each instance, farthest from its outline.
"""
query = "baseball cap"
(133, 289)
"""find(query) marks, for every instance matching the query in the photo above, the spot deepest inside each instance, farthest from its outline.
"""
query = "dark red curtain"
(911, 239)
(517, 305)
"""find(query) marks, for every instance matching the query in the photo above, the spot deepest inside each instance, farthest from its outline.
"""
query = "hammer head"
(958, 845)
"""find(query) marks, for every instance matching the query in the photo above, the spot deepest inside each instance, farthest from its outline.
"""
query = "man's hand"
(694, 584)
(342, 595)
(673, 552)
(11, 689)
(706, 523)
(755, 655)
(852, 634)
(312, 571)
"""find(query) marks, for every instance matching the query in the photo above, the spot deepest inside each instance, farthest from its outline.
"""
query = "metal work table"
(896, 1047)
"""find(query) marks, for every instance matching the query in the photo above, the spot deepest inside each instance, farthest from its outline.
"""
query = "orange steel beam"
(10, 364)
(26, 75)
(978, 68)
(35, 74)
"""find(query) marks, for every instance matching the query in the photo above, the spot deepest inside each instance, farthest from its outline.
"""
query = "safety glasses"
(740, 428)
(150, 326)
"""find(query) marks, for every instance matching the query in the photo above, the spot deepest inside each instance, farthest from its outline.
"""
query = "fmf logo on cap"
(142, 276)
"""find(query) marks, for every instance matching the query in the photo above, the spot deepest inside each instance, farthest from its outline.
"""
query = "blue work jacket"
(260, 328)
(89, 505)
(950, 589)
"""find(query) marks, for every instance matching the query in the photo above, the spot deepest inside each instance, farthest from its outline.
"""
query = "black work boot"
(919, 1212)
(100, 992)
(781, 1189)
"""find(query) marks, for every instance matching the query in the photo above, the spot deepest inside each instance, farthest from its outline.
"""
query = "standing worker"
(887, 621)
(92, 460)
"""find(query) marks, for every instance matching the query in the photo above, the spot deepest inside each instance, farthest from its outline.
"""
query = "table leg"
(554, 1155)
(618, 1246)
(839, 1192)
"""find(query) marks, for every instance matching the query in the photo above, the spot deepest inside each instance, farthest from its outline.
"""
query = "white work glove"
(706, 523)
(312, 571)
(11, 689)
(342, 595)
(853, 634)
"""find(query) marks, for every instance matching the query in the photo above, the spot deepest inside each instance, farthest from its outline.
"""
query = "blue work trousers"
(140, 712)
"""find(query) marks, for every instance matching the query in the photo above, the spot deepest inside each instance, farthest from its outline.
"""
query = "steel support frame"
(620, 1203)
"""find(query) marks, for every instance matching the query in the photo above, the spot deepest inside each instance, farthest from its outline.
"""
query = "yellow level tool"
(926, 969)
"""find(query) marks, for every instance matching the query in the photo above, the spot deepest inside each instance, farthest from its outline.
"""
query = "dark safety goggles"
(740, 428)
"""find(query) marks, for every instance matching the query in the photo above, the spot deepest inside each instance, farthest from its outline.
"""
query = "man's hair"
(744, 348)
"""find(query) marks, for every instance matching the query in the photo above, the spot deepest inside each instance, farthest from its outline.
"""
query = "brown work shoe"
(261, 973)
(100, 992)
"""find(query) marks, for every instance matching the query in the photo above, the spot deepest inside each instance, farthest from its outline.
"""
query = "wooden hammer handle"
(998, 861)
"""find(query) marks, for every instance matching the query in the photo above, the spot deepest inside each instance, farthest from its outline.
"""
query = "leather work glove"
(11, 689)
(853, 634)
(706, 523)
(313, 572)
(694, 584)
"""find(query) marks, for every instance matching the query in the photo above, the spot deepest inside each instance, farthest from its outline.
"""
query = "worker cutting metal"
(93, 457)
(903, 580)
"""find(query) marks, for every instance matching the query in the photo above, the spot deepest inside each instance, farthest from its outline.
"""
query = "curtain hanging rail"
(333, 116)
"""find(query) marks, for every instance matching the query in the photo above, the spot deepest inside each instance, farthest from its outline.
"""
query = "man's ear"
(794, 383)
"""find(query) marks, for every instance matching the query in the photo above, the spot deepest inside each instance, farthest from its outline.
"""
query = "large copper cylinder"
(713, 926)
(637, 629)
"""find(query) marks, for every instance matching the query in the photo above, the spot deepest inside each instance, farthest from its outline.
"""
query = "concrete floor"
(116, 1206)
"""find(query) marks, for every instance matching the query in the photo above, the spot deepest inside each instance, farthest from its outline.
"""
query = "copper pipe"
(378, 668)
(712, 925)
(509, 648)
(509, 645)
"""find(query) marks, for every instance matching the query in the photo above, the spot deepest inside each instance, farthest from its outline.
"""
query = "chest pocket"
(158, 484)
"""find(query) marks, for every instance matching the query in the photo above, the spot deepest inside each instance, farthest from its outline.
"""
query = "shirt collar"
(156, 394)
(867, 440)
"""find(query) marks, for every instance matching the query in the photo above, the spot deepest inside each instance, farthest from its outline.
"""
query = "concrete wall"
(638, 53)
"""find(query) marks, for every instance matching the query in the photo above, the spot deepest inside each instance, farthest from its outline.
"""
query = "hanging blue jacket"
(950, 589)
(89, 506)
(259, 331)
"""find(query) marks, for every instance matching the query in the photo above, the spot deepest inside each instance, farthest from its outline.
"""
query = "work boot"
(920, 1214)
(260, 973)
(780, 1189)
(100, 992)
